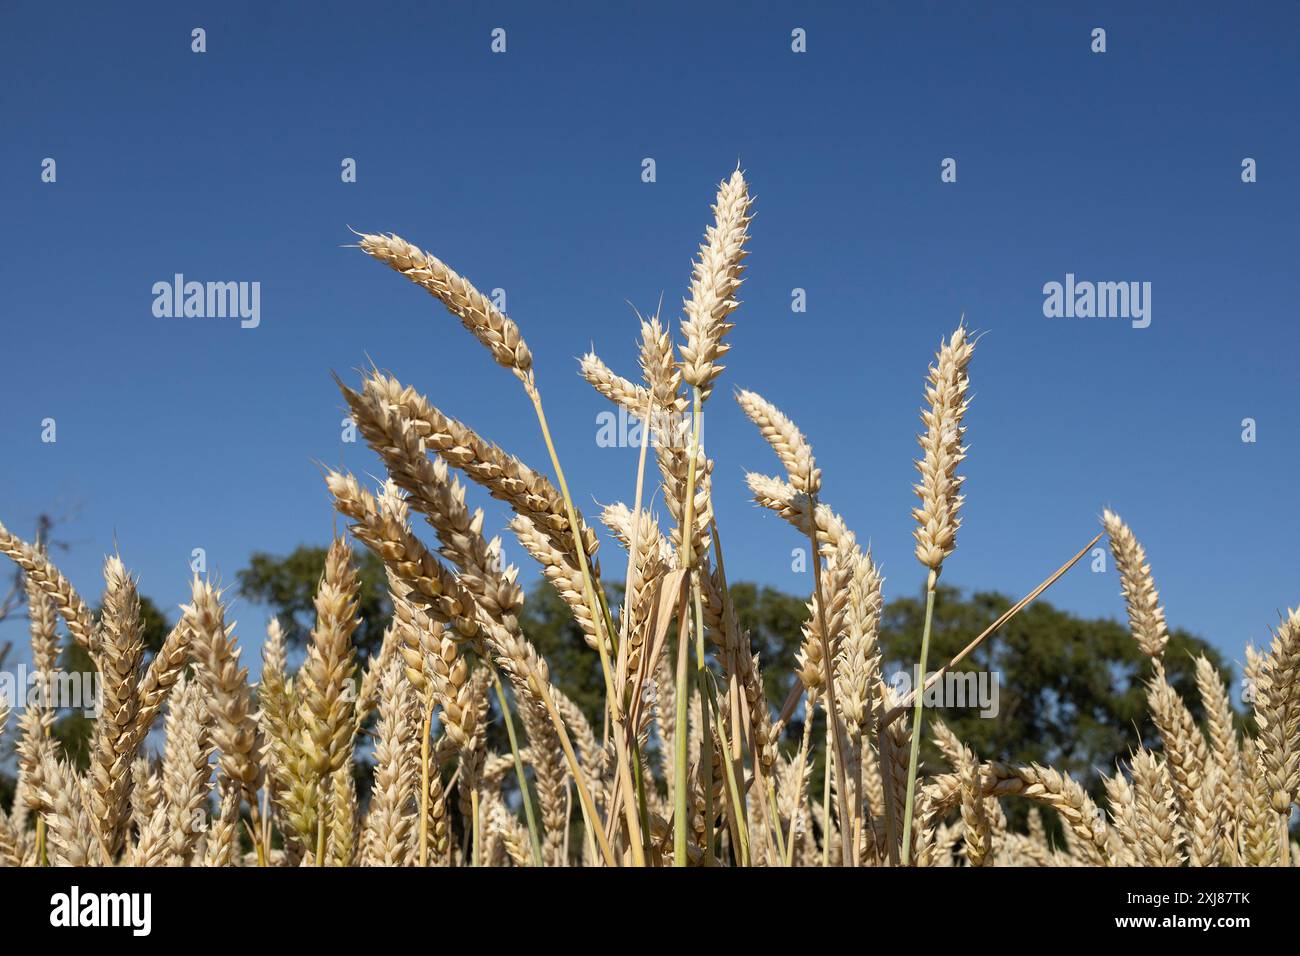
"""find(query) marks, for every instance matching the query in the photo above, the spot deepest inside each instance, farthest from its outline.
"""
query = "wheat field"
(192, 765)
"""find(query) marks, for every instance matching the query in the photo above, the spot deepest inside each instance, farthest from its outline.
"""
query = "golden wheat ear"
(476, 312)
(715, 280)
(1145, 615)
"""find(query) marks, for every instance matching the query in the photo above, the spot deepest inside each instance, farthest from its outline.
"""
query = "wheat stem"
(424, 777)
(320, 834)
(687, 538)
(701, 666)
(740, 825)
(590, 817)
(680, 789)
(524, 795)
(599, 614)
(917, 713)
(634, 546)
(476, 828)
(832, 706)
(826, 808)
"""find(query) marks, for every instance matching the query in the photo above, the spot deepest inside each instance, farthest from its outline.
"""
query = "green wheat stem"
(424, 780)
(320, 831)
(826, 808)
(917, 714)
(525, 795)
(687, 531)
(478, 830)
(733, 790)
(599, 610)
(775, 813)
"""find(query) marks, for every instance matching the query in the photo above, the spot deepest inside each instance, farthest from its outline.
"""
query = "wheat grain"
(387, 407)
(113, 750)
(940, 486)
(1258, 820)
(234, 724)
(186, 775)
(295, 789)
(325, 681)
(455, 621)
(146, 792)
(48, 578)
(11, 845)
(1154, 808)
(563, 574)
(222, 846)
(1277, 712)
(1146, 616)
(71, 834)
(1188, 758)
(160, 677)
(635, 399)
(390, 820)
(342, 838)
(1122, 804)
(476, 312)
(43, 627)
(150, 848)
(714, 283)
(1225, 752)
(786, 440)
(368, 691)
(978, 832)
(859, 669)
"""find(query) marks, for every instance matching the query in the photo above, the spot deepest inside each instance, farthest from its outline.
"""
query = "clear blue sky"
(522, 170)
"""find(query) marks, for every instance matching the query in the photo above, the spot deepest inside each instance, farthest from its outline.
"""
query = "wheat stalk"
(937, 520)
